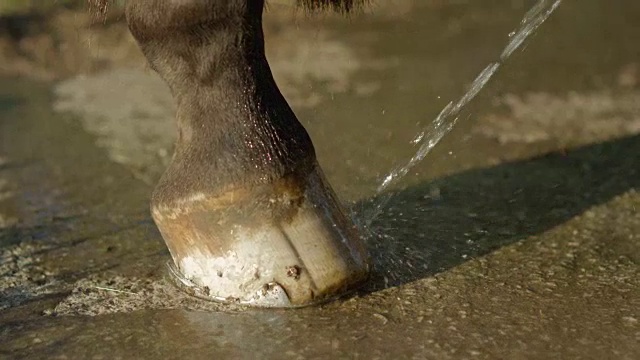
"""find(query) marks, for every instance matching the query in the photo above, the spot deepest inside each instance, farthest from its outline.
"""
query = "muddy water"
(516, 238)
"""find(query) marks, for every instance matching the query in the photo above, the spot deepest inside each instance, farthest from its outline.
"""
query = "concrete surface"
(517, 238)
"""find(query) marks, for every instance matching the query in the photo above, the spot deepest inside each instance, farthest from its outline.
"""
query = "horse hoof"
(286, 244)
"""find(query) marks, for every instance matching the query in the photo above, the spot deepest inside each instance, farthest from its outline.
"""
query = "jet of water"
(431, 135)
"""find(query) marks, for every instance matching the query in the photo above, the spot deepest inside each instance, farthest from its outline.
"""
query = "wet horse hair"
(101, 7)
(336, 5)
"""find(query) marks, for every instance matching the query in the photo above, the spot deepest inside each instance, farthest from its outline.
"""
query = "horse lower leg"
(243, 207)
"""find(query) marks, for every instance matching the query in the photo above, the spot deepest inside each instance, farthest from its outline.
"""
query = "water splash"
(431, 135)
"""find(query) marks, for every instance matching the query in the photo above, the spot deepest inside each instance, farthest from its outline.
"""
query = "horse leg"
(243, 207)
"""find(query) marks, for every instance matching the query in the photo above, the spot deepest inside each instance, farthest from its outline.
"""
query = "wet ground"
(518, 237)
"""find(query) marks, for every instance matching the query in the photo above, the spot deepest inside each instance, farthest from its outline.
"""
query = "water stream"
(435, 131)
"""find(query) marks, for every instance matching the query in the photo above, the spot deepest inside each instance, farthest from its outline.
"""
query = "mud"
(517, 238)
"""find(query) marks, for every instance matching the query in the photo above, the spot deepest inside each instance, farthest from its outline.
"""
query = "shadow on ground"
(437, 225)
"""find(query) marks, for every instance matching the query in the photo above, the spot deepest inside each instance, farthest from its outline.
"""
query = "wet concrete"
(516, 238)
